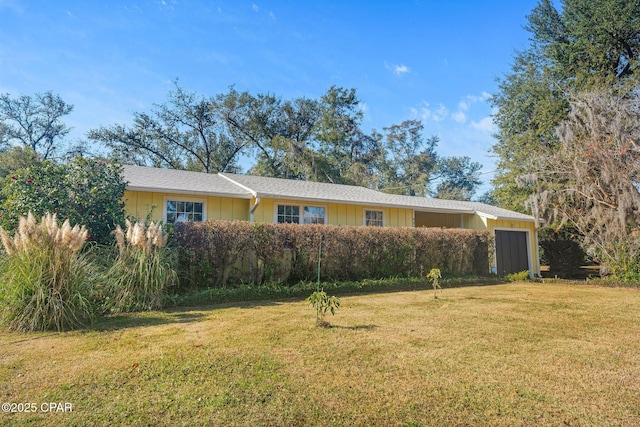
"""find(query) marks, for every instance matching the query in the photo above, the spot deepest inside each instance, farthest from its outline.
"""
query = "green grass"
(516, 354)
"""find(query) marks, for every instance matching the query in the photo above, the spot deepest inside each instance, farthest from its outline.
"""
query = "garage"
(512, 253)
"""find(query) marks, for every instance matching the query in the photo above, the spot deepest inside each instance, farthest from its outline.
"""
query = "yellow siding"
(475, 222)
(139, 204)
(430, 219)
(336, 214)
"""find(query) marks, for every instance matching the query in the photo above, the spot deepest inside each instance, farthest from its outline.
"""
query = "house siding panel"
(336, 214)
(139, 204)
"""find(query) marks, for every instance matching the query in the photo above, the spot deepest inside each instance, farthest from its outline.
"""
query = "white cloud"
(422, 113)
(255, 7)
(426, 113)
(441, 113)
(464, 106)
(485, 124)
(401, 69)
(397, 69)
(459, 116)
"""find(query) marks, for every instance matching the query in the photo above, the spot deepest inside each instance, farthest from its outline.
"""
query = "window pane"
(288, 214)
(374, 218)
(184, 211)
(313, 215)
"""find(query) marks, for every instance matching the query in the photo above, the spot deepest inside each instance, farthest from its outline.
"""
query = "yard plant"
(434, 276)
(45, 280)
(142, 272)
(323, 303)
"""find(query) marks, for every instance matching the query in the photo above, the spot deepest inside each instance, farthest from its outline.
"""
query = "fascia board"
(190, 192)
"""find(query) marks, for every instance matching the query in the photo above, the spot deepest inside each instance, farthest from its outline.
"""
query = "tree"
(592, 180)
(186, 132)
(586, 44)
(34, 122)
(459, 178)
(412, 159)
(15, 158)
(299, 139)
(305, 139)
(88, 192)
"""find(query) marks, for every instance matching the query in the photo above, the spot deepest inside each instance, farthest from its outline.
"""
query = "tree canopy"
(34, 121)
(302, 138)
(584, 45)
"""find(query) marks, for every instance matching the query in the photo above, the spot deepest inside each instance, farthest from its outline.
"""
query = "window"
(182, 211)
(290, 214)
(374, 218)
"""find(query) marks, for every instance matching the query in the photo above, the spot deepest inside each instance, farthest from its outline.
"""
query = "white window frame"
(364, 217)
(167, 199)
(301, 207)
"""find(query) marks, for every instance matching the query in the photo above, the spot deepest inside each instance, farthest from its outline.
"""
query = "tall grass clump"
(142, 271)
(45, 279)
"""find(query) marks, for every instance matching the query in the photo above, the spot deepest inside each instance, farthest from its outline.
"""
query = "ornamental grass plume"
(143, 271)
(45, 279)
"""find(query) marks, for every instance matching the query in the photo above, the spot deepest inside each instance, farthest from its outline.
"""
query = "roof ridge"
(244, 187)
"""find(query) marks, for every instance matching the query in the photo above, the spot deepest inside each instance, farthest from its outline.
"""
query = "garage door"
(511, 252)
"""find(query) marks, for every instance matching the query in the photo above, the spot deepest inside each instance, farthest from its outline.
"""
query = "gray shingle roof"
(308, 190)
(178, 181)
(246, 186)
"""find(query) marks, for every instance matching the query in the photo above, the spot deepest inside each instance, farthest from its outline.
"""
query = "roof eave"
(363, 203)
(190, 192)
(504, 218)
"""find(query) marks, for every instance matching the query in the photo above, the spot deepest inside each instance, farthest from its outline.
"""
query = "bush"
(217, 253)
(517, 277)
(142, 272)
(84, 191)
(45, 280)
(561, 251)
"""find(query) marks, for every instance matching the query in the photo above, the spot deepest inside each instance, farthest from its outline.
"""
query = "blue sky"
(434, 60)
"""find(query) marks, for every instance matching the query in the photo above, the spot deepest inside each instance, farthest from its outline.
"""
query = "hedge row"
(218, 253)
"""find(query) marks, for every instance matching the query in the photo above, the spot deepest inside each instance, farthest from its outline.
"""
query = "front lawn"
(517, 354)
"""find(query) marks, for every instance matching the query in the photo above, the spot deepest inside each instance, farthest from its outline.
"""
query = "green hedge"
(218, 253)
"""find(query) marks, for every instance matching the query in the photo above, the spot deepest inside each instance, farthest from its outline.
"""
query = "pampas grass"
(44, 279)
(142, 272)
